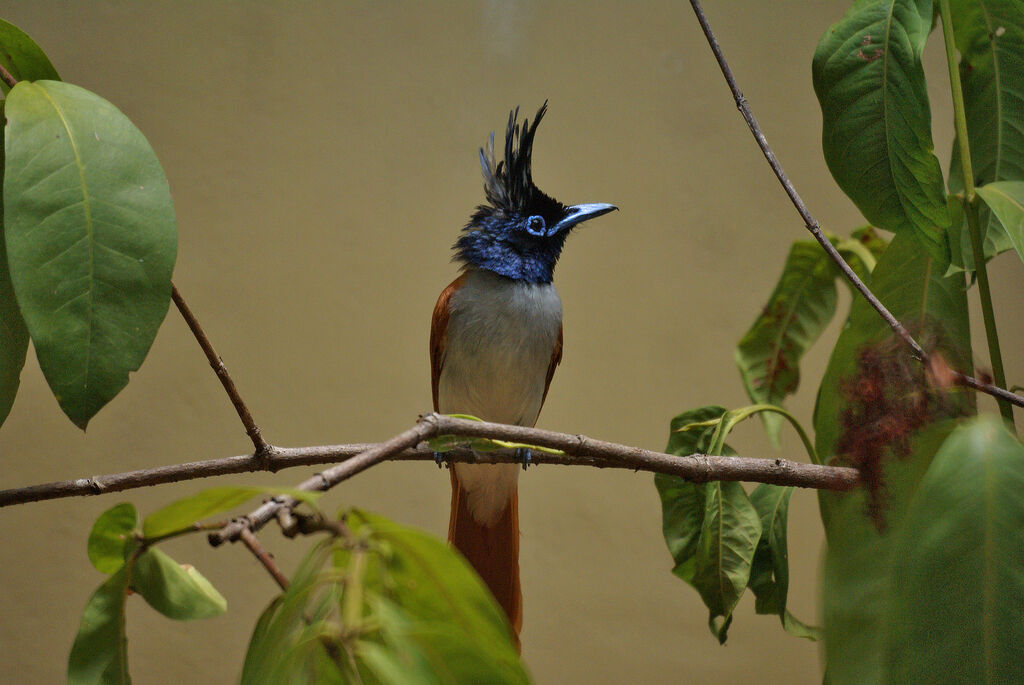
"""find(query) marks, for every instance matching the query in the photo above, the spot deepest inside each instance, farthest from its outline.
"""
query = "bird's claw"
(524, 456)
(440, 458)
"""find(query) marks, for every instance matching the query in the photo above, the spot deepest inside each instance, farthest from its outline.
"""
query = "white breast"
(501, 335)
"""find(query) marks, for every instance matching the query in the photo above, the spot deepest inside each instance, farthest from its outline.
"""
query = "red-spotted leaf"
(876, 135)
(798, 310)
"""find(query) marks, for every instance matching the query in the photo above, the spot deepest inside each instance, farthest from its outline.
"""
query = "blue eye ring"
(536, 225)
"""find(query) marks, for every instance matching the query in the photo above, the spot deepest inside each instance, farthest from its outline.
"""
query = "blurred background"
(322, 158)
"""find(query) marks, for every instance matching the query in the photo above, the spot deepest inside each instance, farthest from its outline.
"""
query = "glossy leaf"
(110, 535)
(798, 310)
(13, 334)
(20, 55)
(182, 513)
(91, 239)
(99, 655)
(1006, 200)
(989, 35)
(175, 590)
(958, 580)
(869, 80)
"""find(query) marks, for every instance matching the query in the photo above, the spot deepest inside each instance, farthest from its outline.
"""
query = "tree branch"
(265, 558)
(7, 77)
(579, 451)
(812, 225)
(251, 429)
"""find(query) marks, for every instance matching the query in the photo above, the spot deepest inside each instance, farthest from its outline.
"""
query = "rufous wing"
(439, 334)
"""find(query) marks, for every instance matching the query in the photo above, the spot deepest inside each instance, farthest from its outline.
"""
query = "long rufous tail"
(492, 549)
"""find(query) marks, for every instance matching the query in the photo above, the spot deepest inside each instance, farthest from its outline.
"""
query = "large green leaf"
(391, 603)
(990, 38)
(1006, 200)
(798, 310)
(13, 334)
(858, 560)
(877, 122)
(91, 239)
(20, 55)
(959, 576)
(110, 536)
(99, 655)
(175, 590)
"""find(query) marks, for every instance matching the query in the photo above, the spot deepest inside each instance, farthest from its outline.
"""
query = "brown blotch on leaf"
(888, 399)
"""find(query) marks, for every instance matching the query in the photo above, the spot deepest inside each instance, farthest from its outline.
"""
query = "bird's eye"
(535, 225)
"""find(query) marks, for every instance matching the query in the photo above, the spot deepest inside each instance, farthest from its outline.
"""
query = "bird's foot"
(441, 458)
(524, 456)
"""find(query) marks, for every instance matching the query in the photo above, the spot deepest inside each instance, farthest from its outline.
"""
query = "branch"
(812, 224)
(264, 558)
(7, 77)
(578, 450)
(217, 363)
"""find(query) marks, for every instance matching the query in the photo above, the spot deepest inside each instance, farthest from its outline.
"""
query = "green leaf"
(459, 626)
(857, 573)
(99, 655)
(862, 250)
(711, 529)
(182, 513)
(13, 334)
(798, 310)
(109, 536)
(682, 502)
(958, 579)
(175, 590)
(877, 123)
(769, 575)
(91, 239)
(1006, 200)
(725, 551)
(20, 55)
(400, 604)
(857, 578)
(989, 35)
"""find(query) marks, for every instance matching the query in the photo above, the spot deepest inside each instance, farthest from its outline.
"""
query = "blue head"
(520, 232)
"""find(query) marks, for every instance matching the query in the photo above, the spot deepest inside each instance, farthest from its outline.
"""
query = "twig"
(578, 450)
(812, 224)
(253, 431)
(7, 77)
(264, 558)
(611, 455)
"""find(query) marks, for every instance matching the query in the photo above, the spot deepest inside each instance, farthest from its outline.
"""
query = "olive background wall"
(322, 158)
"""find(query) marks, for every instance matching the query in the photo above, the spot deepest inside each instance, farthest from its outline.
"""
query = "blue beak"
(580, 213)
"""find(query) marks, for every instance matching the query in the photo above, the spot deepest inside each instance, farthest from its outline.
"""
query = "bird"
(495, 341)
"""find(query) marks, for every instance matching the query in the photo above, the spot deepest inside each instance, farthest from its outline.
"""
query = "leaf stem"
(971, 209)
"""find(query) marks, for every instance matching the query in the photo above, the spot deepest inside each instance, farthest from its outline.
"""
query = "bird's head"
(520, 232)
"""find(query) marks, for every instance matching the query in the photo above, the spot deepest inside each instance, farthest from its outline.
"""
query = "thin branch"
(7, 77)
(264, 558)
(253, 431)
(812, 224)
(578, 450)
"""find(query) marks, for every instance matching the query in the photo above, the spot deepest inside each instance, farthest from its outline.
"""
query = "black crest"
(508, 184)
